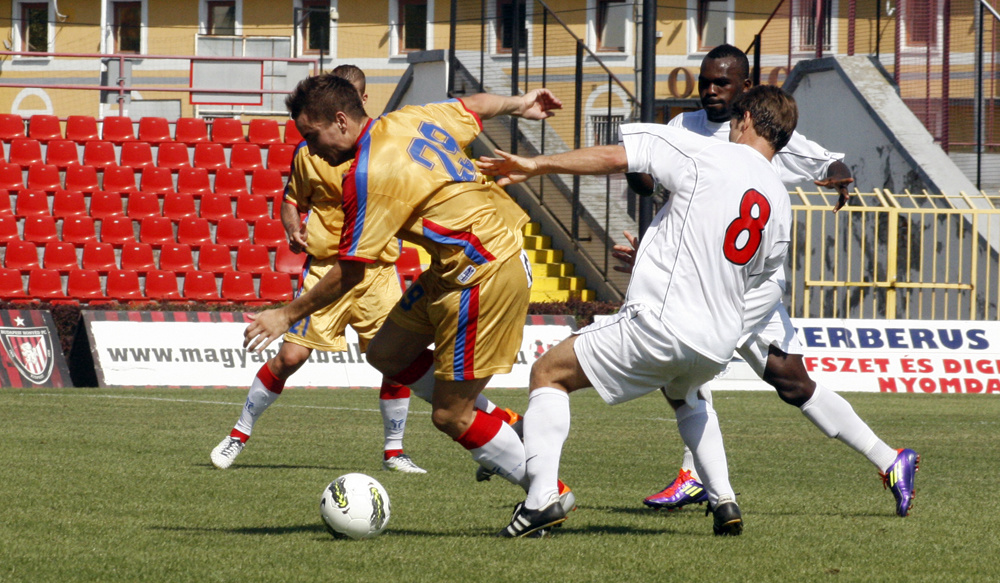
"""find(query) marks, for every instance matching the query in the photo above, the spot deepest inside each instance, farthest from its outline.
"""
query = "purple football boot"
(899, 479)
(682, 491)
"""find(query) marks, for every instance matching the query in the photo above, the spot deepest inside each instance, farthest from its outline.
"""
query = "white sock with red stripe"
(264, 390)
(419, 376)
(546, 427)
(394, 403)
(495, 446)
(699, 427)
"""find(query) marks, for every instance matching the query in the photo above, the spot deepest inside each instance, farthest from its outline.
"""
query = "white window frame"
(394, 24)
(492, 42)
(799, 50)
(594, 42)
(108, 24)
(902, 6)
(692, 26)
(203, 17)
(18, 42)
(300, 41)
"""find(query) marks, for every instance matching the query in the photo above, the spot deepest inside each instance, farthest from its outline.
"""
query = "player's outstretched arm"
(838, 176)
(270, 325)
(535, 104)
(511, 169)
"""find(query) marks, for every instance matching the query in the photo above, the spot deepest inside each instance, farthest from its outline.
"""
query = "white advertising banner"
(890, 356)
(197, 351)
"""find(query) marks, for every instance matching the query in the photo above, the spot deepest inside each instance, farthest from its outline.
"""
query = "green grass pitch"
(116, 485)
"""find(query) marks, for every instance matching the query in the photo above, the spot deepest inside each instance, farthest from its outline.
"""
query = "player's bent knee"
(449, 422)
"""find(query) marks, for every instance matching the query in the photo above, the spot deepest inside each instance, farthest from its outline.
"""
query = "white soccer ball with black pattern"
(354, 506)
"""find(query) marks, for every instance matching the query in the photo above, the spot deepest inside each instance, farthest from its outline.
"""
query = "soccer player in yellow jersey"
(314, 187)
(410, 178)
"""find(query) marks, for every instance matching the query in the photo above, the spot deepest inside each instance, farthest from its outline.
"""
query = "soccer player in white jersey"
(724, 231)
(768, 344)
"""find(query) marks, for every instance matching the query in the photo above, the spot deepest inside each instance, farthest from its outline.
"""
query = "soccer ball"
(354, 506)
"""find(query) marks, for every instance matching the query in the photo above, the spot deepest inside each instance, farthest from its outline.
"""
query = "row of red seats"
(141, 258)
(176, 206)
(124, 286)
(152, 130)
(121, 179)
(155, 231)
(174, 156)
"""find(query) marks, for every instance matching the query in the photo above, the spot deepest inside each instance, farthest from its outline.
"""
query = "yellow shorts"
(364, 308)
(477, 330)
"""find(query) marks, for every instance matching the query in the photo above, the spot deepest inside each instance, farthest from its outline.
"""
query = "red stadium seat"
(154, 130)
(173, 155)
(246, 157)
(62, 154)
(210, 156)
(60, 256)
(156, 180)
(136, 155)
(138, 257)
(267, 182)
(275, 287)
(177, 206)
(44, 177)
(214, 258)
(253, 259)
(78, 230)
(270, 233)
(84, 285)
(32, 203)
(232, 232)
(200, 286)
(117, 231)
(21, 255)
(231, 182)
(40, 229)
(117, 130)
(408, 266)
(119, 179)
(176, 257)
(157, 231)
(104, 205)
(11, 285)
(44, 128)
(193, 181)
(238, 287)
(215, 207)
(68, 203)
(280, 156)
(227, 130)
(285, 261)
(8, 229)
(45, 285)
(99, 154)
(11, 127)
(82, 179)
(292, 135)
(11, 176)
(5, 208)
(99, 257)
(264, 132)
(191, 130)
(194, 231)
(25, 152)
(142, 205)
(161, 286)
(123, 286)
(252, 208)
(81, 128)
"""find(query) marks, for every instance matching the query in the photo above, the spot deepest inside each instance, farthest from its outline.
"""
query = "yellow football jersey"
(315, 186)
(411, 178)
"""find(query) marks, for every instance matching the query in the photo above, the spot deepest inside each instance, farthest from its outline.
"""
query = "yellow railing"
(913, 256)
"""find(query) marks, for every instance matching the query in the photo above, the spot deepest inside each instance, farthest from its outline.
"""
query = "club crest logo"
(30, 349)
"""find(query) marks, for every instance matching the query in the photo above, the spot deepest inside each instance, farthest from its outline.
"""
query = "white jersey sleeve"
(803, 159)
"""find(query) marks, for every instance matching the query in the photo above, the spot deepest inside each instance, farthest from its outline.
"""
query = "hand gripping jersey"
(316, 186)
(724, 229)
(411, 178)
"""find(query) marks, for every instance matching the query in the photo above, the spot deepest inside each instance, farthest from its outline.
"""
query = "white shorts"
(765, 324)
(633, 353)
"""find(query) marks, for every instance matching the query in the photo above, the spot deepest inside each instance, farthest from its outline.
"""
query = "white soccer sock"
(394, 404)
(495, 446)
(836, 418)
(687, 463)
(699, 428)
(546, 427)
(264, 390)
